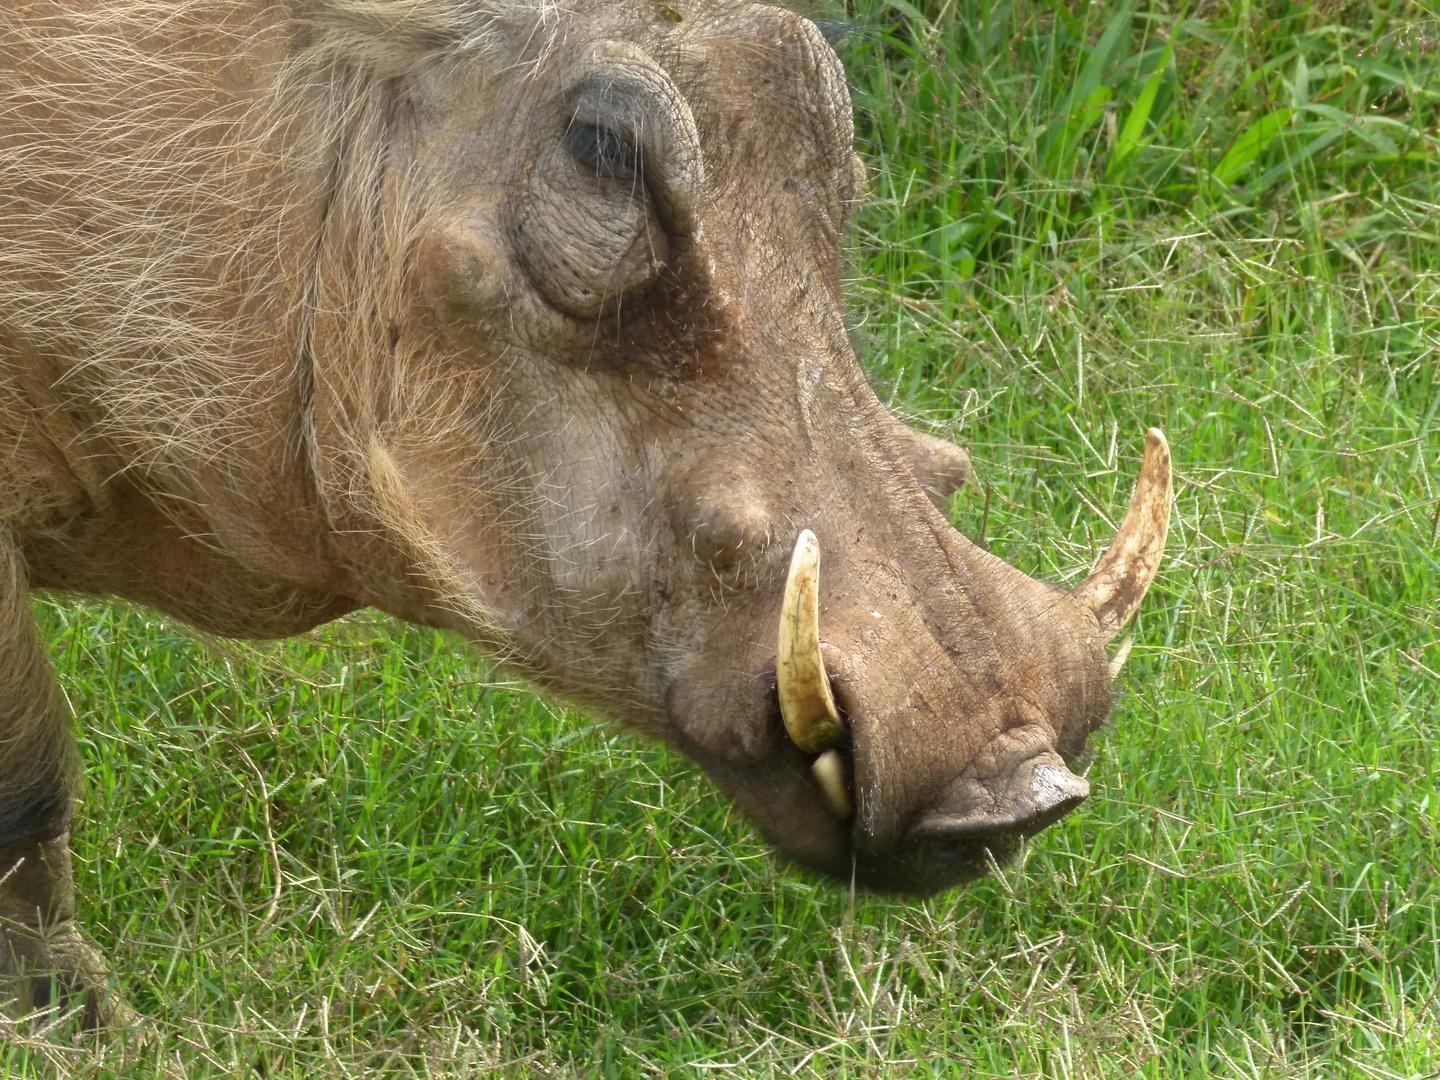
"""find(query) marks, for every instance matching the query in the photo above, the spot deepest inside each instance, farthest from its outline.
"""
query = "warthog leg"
(46, 966)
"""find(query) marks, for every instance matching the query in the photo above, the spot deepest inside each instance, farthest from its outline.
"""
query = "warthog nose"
(1036, 793)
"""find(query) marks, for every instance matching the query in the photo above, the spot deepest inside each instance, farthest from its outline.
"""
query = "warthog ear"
(941, 467)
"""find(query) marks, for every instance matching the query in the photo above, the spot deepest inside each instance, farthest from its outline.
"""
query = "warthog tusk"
(1116, 586)
(805, 699)
(1118, 660)
(829, 773)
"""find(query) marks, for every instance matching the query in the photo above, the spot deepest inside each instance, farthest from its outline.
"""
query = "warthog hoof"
(49, 973)
(56, 977)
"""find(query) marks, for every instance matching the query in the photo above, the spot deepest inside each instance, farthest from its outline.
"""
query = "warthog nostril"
(1037, 793)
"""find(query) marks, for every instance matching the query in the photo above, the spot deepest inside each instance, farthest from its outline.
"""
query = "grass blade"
(1250, 145)
(1129, 140)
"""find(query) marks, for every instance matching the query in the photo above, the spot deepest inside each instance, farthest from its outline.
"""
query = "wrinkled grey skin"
(554, 357)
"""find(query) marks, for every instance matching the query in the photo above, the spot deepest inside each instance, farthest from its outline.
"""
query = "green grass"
(359, 855)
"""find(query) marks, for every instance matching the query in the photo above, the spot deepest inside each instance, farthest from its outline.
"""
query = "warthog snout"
(889, 747)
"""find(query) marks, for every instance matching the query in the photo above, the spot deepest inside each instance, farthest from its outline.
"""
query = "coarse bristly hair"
(163, 274)
(391, 33)
(138, 200)
(153, 220)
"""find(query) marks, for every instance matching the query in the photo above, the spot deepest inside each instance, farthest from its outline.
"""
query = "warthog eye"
(607, 152)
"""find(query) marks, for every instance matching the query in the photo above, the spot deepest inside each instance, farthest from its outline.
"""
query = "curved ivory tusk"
(1116, 586)
(829, 772)
(805, 699)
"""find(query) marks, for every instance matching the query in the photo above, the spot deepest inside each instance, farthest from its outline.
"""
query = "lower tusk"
(1118, 660)
(806, 702)
(829, 772)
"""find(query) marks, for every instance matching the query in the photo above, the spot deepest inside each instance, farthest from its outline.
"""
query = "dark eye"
(602, 150)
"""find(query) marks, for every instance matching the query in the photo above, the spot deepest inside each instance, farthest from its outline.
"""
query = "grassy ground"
(359, 855)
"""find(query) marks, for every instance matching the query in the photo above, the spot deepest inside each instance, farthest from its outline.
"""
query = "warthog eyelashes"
(605, 151)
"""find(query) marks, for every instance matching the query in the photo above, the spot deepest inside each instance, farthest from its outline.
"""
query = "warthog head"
(606, 420)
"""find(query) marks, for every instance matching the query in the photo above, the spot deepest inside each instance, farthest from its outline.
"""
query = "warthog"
(521, 318)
